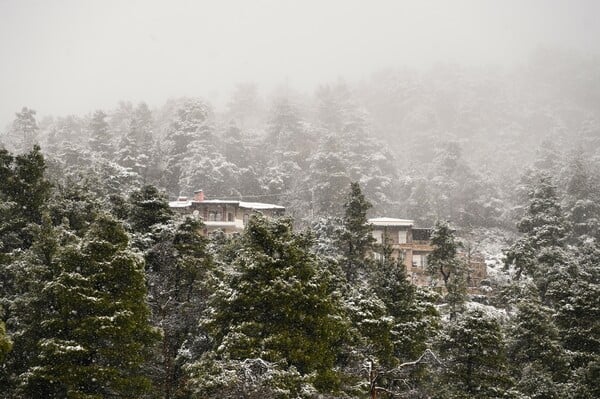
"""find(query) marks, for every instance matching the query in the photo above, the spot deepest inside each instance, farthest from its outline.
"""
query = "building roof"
(241, 204)
(259, 205)
(180, 204)
(391, 222)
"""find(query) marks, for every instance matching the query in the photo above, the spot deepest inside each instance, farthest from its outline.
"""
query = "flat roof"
(391, 222)
(241, 204)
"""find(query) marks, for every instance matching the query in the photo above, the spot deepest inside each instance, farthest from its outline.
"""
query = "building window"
(402, 236)
(230, 217)
(419, 260)
(378, 235)
(246, 219)
(212, 216)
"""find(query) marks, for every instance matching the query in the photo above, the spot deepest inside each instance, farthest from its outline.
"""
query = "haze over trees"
(104, 292)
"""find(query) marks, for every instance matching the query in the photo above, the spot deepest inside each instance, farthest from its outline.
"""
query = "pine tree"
(148, 207)
(278, 304)
(443, 261)
(94, 333)
(472, 350)
(582, 201)
(540, 252)
(23, 195)
(538, 361)
(578, 320)
(413, 326)
(100, 139)
(188, 134)
(178, 269)
(25, 127)
(356, 239)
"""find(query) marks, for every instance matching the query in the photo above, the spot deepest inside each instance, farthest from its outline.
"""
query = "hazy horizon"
(72, 57)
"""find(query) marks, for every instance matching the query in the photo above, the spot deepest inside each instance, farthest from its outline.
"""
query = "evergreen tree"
(148, 207)
(540, 252)
(472, 349)
(578, 320)
(582, 206)
(93, 332)
(374, 337)
(178, 268)
(189, 133)
(443, 261)
(356, 239)
(26, 129)
(23, 195)
(100, 138)
(278, 304)
(538, 362)
(413, 326)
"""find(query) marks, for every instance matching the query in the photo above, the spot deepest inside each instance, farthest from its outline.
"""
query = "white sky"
(73, 56)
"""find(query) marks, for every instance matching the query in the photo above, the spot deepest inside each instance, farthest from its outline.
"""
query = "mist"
(72, 57)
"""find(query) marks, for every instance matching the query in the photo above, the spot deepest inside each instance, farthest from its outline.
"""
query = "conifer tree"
(578, 320)
(473, 352)
(94, 333)
(540, 252)
(538, 362)
(443, 261)
(25, 127)
(178, 268)
(413, 325)
(24, 193)
(148, 207)
(278, 304)
(100, 139)
(189, 132)
(356, 239)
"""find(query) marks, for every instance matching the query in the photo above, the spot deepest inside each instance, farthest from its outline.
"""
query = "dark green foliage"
(538, 362)
(87, 326)
(277, 304)
(540, 252)
(475, 366)
(582, 202)
(578, 319)
(443, 261)
(24, 192)
(356, 238)
(412, 325)
(178, 267)
(148, 207)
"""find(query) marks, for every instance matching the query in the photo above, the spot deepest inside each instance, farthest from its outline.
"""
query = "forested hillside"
(105, 292)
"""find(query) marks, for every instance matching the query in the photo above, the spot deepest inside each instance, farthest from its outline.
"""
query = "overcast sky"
(73, 56)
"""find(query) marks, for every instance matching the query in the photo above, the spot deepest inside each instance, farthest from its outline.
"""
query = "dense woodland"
(104, 292)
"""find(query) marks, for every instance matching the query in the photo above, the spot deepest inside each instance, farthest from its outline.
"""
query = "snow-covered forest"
(107, 292)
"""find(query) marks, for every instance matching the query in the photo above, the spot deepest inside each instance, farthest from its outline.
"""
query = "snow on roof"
(217, 201)
(259, 205)
(180, 204)
(391, 222)
(242, 204)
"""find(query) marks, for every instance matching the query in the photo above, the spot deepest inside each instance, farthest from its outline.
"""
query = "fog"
(67, 57)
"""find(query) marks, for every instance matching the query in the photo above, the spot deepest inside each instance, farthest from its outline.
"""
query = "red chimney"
(198, 195)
